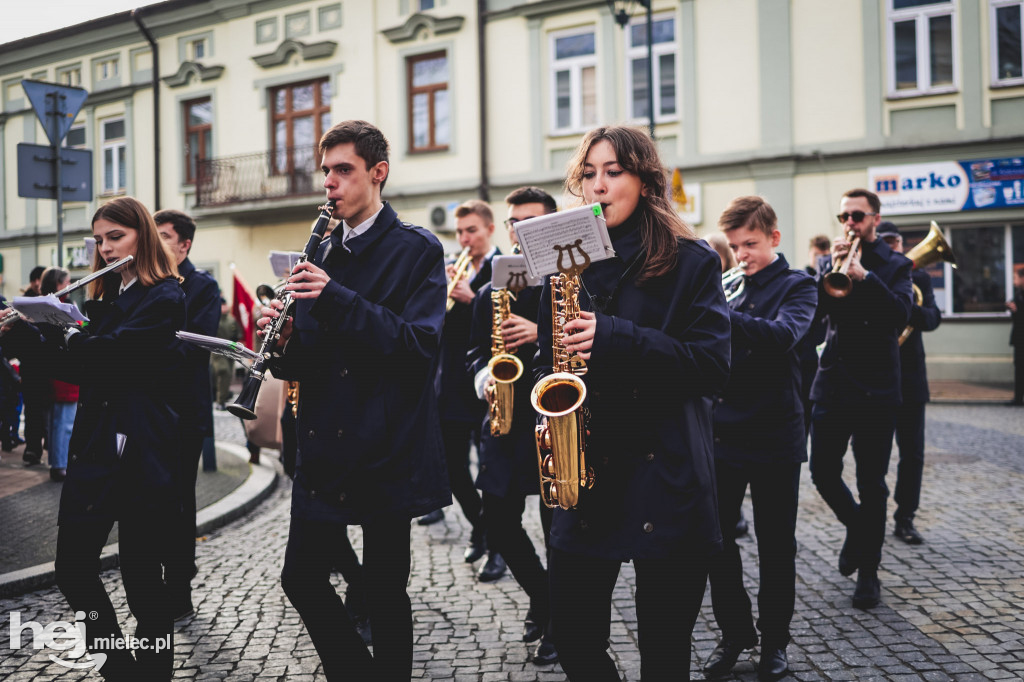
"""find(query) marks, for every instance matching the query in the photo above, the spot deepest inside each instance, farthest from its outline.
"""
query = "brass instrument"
(730, 276)
(837, 283)
(558, 398)
(293, 397)
(13, 315)
(461, 266)
(503, 367)
(932, 249)
(245, 406)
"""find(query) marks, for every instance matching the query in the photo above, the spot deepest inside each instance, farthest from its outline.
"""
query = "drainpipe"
(156, 107)
(481, 10)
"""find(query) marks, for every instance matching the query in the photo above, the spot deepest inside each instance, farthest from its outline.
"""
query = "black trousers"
(774, 492)
(37, 401)
(1018, 373)
(289, 440)
(871, 428)
(910, 441)
(181, 561)
(503, 521)
(311, 554)
(669, 592)
(140, 543)
(457, 437)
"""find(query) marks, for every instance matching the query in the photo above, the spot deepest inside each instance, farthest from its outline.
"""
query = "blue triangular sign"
(56, 106)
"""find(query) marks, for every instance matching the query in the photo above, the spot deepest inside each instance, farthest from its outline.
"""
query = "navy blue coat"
(457, 399)
(924, 318)
(861, 361)
(759, 415)
(129, 369)
(508, 464)
(660, 351)
(365, 352)
(202, 305)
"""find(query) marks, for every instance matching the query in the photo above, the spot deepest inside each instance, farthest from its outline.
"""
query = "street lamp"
(622, 10)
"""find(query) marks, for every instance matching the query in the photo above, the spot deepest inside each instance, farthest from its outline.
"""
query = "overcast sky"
(22, 19)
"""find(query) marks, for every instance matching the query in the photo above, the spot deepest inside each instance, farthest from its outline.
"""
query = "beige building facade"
(796, 100)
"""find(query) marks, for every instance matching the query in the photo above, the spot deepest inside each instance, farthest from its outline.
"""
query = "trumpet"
(558, 398)
(837, 283)
(730, 276)
(14, 315)
(461, 266)
(503, 367)
(932, 249)
(245, 406)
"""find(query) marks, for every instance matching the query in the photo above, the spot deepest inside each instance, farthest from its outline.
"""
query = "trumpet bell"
(932, 249)
(837, 284)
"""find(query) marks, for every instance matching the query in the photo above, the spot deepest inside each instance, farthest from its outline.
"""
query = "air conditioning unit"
(441, 216)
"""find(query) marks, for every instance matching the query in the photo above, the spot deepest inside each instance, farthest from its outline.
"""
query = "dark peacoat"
(759, 415)
(202, 306)
(861, 361)
(508, 464)
(924, 318)
(660, 351)
(365, 353)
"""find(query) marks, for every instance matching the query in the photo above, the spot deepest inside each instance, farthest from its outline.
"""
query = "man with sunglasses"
(857, 388)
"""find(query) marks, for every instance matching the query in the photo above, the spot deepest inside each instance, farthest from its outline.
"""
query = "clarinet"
(245, 406)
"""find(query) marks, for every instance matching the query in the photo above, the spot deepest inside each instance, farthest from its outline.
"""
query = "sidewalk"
(966, 392)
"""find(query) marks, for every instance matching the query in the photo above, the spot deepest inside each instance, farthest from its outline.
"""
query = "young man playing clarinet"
(364, 344)
(760, 439)
(508, 463)
(857, 388)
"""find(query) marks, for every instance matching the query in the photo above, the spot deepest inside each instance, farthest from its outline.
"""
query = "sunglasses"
(856, 215)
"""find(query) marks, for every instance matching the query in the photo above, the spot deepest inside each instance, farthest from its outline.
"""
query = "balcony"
(263, 176)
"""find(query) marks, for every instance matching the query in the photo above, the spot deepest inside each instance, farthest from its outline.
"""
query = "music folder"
(48, 309)
(509, 272)
(566, 241)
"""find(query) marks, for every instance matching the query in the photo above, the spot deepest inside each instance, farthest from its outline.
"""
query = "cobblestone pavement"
(953, 608)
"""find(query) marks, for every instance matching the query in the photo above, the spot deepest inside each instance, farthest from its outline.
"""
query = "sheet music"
(574, 235)
(282, 262)
(48, 309)
(510, 272)
(232, 349)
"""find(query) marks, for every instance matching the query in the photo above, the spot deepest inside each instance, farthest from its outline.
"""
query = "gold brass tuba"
(558, 398)
(837, 283)
(932, 249)
(504, 367)
(461, 266)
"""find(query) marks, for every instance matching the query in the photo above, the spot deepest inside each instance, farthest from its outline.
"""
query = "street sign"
(56, 106)
(36, 173)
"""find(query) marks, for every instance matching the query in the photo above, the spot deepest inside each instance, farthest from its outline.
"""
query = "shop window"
(663, 29)
(1007, 29)
(980, 282)
(922, 47)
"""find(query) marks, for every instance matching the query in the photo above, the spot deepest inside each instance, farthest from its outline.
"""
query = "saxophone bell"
(504, 368)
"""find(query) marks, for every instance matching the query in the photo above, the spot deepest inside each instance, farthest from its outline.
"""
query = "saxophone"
(504, 367)
(558, 398)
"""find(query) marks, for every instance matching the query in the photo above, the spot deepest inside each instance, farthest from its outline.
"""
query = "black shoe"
(31, 458)
(492, 569)
(532, 630)
(773, 665)
(869, 590)
(742, 528)
(58, 474)
(545, 653)
(432, 517)
(905, 531)
(848, 555)
(476, 548)
(7, 445)
(724, 657)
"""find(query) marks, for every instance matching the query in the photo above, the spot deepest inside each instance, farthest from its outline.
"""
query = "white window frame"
(74, 128)
(575, 66)
(71, 76)
(113, 144)
(994, 42)
(660, 49)
(112, 65)
(196, 45)
(921, 17)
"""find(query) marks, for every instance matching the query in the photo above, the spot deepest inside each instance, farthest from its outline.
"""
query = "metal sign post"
(56, 106)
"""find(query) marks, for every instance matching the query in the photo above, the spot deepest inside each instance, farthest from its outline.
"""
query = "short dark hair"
(369, 142)
(749, 211)
(531, 195)
(821, 242)
(873, 200)
(36, 273)
(182, 223)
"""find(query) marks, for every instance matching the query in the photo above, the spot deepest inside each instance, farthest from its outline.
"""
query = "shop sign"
(949, 186)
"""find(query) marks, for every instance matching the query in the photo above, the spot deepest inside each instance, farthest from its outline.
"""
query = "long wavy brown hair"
(153, 262)
(660, 225)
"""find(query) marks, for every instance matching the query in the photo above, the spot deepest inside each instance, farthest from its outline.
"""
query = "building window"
(426, 4)
(301, 115)
(429, 110)
(72, 77)
(197, 49)
(107, 68)
(663, 29)
(573, 81)
(198, 135)
(922, 47)
(75, 137)
(114, 146)
(1007, 42)
(980, 282)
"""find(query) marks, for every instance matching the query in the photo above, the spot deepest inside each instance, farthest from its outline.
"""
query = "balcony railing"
(280, 174)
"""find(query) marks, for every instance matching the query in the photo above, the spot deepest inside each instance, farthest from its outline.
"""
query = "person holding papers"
(654, 332)
(124, 446)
